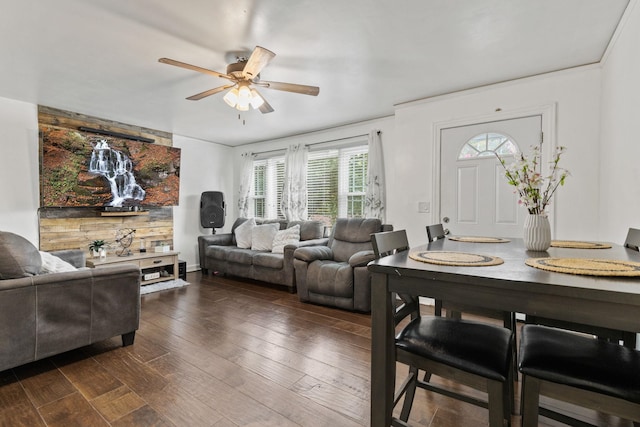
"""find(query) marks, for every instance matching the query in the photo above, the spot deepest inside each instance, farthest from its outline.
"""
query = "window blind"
(336, 184)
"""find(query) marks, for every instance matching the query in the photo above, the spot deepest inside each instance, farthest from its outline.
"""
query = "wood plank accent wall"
(73, 228)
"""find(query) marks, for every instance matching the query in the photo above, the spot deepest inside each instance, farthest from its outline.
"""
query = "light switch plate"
(424, 207)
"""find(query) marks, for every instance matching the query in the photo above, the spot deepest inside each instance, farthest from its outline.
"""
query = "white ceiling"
(100, 57)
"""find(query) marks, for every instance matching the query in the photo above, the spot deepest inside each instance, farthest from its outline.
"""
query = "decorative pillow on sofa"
(19, 258)
(54, 264)
(262, 236)
(285, 237)
(243, 233)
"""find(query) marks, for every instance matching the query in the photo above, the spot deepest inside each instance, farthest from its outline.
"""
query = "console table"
(149, 263)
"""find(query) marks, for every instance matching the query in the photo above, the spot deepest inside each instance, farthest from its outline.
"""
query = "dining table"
(591, 298)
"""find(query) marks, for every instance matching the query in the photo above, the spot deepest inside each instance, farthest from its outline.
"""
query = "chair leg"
(530, 401)
(498, 411)
(510, 322)
(409, 394)
(437, 308)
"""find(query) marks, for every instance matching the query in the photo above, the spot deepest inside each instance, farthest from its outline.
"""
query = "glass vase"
(537, 232)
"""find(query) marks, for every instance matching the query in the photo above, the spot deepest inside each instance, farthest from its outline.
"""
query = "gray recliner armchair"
(336, 274)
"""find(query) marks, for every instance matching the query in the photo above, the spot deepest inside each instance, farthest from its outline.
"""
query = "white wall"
(205, 166)
(19, 174)
(620, 137)
(576, 96)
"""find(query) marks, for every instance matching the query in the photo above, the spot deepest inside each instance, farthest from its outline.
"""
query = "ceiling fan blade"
(291, 87)
(209, 92)
(265, 107)
(259, 58)
(194, 68)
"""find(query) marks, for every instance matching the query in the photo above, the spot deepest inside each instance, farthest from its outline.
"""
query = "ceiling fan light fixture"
(244, 97)
(231, 97)
(256, 99)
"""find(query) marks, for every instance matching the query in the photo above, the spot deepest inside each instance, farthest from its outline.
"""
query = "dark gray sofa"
(42, 315)
(336, 274)
(220, 254)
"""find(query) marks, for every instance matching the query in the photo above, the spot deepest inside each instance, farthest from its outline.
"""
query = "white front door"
(475, 199)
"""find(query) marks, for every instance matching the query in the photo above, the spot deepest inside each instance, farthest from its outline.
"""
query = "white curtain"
(294, 192)
(244, 192)
(375, 201)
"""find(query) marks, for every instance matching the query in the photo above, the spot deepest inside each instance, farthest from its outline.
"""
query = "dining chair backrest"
(389, 242)
(435, 232)
(633, 239)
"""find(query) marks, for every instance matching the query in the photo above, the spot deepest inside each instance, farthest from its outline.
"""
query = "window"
(336, 184)
(487, 144)
(268, 176)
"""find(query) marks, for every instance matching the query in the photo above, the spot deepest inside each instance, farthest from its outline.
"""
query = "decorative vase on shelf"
(537, 232)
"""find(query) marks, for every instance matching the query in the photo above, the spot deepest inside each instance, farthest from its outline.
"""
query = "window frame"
(350, 191)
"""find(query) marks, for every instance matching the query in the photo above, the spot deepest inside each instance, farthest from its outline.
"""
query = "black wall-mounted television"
(85, 169)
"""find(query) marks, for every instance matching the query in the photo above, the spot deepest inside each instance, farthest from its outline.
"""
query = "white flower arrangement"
(534, 189)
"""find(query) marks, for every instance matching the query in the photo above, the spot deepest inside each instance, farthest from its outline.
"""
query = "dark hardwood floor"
(222, 352)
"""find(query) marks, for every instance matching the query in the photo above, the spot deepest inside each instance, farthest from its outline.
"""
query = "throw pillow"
(54, 264)
(285, 237)
(262, 236)
(243, 233)
(19, 257)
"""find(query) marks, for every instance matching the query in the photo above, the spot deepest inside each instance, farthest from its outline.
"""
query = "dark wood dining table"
(612, 302)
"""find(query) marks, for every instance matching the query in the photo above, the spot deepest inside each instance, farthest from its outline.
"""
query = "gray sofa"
(42, 315)
(219, 253)
(336, 274)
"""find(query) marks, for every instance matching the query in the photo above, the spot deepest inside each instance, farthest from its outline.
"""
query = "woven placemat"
(588, 267)
(575, 244)
(455, 258)
(475, 239)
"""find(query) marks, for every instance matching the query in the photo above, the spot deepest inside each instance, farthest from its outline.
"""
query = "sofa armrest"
(313, 253)
(289, 250)
(75, 257)
(324, 241)
(225, 239)
(361, 259)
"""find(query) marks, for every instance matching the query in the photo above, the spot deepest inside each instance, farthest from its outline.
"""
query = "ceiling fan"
(244, 76)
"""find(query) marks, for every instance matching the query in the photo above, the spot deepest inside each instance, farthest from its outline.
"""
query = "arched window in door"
(488, 144)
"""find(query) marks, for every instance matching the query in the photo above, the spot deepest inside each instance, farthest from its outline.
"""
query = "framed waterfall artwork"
(84, 169)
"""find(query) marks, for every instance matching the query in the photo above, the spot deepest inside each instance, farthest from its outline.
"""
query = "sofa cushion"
(53, 264)
(262, 236)
(240, 256)
(352, 235)
(309, 230)
(19, 257)
(327, 277)
(269, 260)
(243, 233)
(285, 237)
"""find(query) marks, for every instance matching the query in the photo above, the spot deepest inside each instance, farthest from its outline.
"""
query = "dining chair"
(633, 239)
(577, 369)
(475, 354)
(436, 232)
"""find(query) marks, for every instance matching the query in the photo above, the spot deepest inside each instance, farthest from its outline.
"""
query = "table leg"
(383, 364)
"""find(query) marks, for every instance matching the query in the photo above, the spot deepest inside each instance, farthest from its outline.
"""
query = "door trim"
(548, 113)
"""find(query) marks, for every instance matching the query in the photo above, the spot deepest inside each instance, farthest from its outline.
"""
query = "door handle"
(445, 219)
